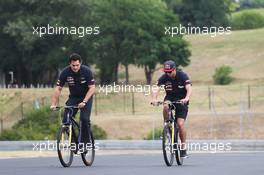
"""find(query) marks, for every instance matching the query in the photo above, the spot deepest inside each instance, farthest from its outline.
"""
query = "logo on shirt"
(179, 86)
(70, 81)
(83, 80)
(168, 86)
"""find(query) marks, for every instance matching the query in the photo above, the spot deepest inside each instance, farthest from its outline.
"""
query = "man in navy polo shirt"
(80, 81)
(178, 88)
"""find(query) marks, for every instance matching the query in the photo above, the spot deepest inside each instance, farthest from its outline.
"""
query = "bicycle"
(171, 142)
(68, 140)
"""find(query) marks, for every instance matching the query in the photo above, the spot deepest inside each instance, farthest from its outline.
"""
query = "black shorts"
(181, 110)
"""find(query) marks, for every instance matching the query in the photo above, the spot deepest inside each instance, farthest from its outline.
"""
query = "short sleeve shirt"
(175, 87)
(78, 82)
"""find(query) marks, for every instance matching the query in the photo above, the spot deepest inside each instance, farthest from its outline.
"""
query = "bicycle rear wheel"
(167, 147)
(89, 154)
(178, 157)
(65, 153)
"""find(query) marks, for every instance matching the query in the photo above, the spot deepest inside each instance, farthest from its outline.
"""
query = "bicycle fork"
(70, 134)
(172, 130)
(172, 135)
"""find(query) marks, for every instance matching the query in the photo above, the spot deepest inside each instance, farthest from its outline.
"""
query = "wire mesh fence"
(215, 112)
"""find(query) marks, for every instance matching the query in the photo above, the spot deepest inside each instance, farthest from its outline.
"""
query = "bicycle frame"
(72, 133)
(173, 121)
(170, 123)
(168, 141)
(69, 115)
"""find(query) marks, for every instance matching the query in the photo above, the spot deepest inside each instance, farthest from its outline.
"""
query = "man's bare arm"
(87, 96)
(89, 93)
(155, 94)
(55, 97)
(188, 88)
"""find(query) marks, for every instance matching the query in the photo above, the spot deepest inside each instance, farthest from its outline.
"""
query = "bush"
(98, 132)
(222, 75)
(39, 125)
(248, 19)
(157, 134)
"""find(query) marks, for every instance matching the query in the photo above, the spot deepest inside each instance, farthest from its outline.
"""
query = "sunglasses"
(168, 72)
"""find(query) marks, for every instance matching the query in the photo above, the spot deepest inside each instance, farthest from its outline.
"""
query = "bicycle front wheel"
(65, 153)
(89, 154)
(167, 146)
(178, 157)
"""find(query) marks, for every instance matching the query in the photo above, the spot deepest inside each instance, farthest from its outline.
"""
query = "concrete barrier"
(193, 145)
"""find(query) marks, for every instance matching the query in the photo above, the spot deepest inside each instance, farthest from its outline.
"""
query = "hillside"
(242, 50)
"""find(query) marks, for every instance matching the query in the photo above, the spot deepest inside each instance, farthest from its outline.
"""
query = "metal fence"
(215, 112)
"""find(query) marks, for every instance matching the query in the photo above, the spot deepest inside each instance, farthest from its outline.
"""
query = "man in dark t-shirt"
(178, 88)
(80, 81)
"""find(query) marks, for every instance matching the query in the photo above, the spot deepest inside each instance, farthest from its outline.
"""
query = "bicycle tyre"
(177, 150)
(63, 161)
(88, 156)
(167, 148)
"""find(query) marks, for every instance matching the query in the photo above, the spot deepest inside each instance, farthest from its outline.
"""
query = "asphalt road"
(149, 164)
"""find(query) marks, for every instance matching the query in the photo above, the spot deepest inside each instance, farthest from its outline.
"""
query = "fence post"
(95, 103)
(212, 110)
(133, 103)
(124, 101)
(249, 97)
(2, 125)
(241, 127)
(209, 97)
(43, 101)
(153, 128)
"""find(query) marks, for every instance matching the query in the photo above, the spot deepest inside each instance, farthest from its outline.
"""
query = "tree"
(36, 59)
(203, 13)
(133, 33)
(114, 45)
(152, 46)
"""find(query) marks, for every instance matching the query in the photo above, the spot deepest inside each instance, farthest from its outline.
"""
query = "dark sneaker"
(184, 154)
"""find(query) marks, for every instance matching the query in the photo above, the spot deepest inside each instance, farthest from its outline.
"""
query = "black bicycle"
(68, 141)
(171, 142)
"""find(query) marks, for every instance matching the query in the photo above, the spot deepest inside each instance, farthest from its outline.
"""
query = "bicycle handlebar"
(66, 107)
(167, 102)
